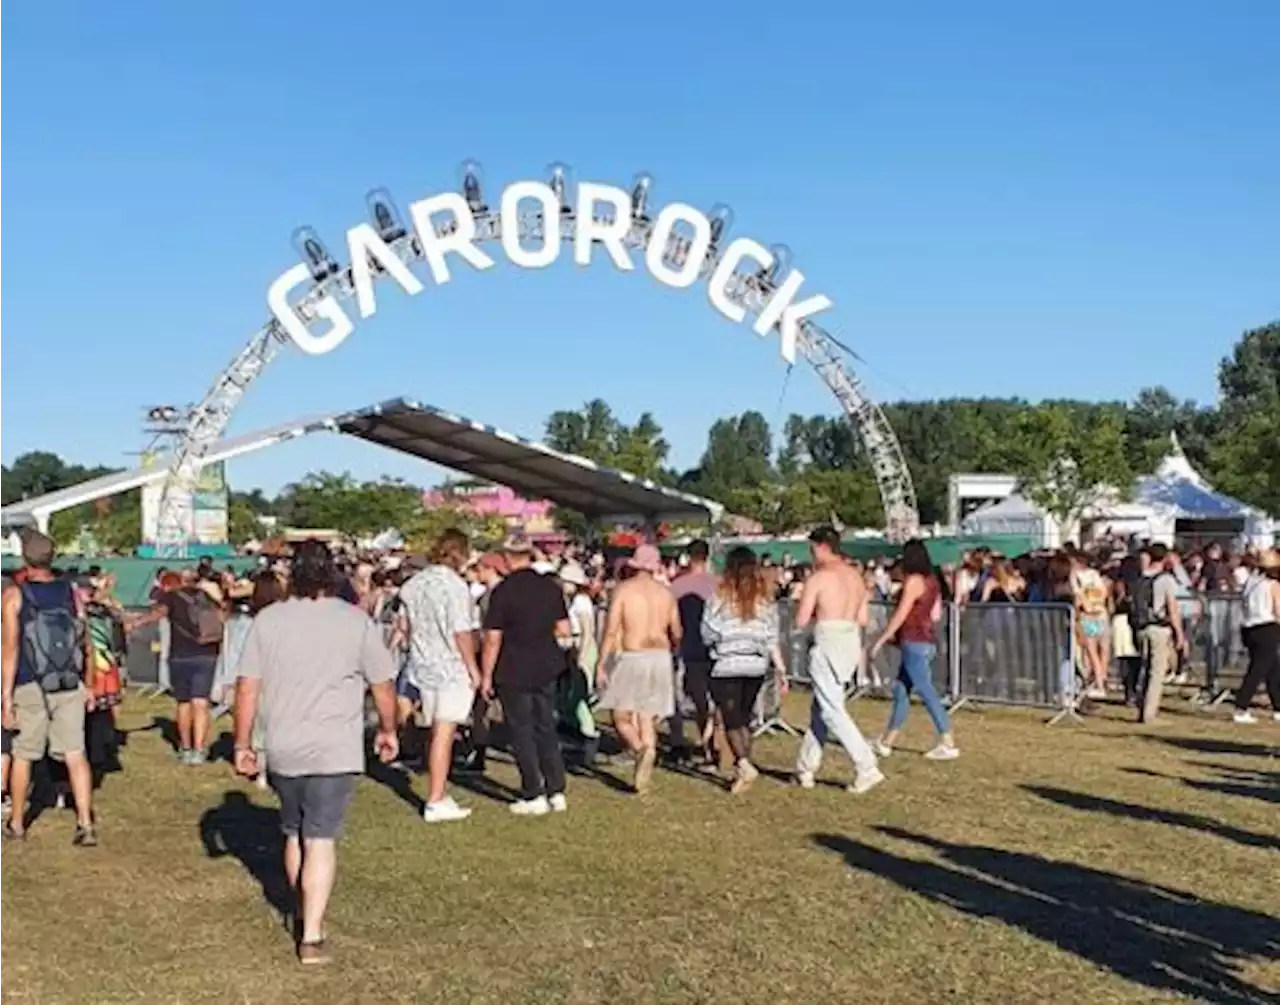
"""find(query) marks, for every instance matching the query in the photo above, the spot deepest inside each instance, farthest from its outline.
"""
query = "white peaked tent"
(1013, 514)
(1177, 493)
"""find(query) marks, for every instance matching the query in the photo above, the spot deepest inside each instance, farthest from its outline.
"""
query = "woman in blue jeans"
(912, 626)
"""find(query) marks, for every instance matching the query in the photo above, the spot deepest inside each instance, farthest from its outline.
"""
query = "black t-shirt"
(525, 608)
(1214, 576)
(184, 628)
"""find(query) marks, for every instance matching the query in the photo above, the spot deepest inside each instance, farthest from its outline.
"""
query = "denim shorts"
(191, 677)
(313, 806)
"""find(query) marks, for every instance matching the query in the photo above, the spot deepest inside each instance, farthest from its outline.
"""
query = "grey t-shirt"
(1164, 592)
(314, 658)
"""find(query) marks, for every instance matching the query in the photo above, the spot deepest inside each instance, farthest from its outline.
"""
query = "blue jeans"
(916, 674)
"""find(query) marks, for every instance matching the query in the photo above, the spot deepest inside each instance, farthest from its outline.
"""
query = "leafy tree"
(738, 458)
(1065, 459)
(1245, 457)
(426, 526)
(326, 500)
(595, 433)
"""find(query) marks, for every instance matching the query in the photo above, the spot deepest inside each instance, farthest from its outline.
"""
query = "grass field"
(1096, 864)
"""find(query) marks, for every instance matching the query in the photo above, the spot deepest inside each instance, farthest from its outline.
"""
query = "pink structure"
(532, 516)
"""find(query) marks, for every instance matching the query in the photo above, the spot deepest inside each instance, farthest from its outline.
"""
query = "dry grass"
(1100, 864)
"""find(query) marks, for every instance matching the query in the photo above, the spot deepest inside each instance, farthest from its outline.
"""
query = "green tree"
(595, 433)
(339, 502)
(426, 526)
(1245, 457)
(1066, 460)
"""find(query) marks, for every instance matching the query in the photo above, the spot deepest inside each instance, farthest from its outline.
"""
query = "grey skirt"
(642, 682)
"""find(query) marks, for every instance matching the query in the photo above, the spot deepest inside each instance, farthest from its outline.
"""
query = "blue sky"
(1001, 198)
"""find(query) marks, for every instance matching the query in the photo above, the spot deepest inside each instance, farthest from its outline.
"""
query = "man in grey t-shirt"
(307, 661)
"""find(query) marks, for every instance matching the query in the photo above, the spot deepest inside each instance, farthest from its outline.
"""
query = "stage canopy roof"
(534, 470)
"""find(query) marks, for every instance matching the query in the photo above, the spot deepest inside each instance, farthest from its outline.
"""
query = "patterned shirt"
(739, 648)
(439, 607)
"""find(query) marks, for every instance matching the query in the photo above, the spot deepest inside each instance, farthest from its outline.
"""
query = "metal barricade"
(1017, 654)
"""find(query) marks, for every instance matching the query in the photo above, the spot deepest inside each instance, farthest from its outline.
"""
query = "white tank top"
(1259, 605)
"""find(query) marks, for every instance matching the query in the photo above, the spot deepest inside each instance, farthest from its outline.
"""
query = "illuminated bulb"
(311, 249)
(385, 216)
(560, 175)
(721, 217)
(640, 195)
(472, 175)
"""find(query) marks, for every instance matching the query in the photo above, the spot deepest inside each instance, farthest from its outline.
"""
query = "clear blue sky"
(1001, 199)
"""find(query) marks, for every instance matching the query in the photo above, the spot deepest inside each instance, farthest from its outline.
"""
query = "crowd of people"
(325, 658)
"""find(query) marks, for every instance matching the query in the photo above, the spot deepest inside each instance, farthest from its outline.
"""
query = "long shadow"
(1165, 939)
(397, 781)
(1261, 785)
(1205, 745)
(168, 729)
(250, 834)
(1174, 818)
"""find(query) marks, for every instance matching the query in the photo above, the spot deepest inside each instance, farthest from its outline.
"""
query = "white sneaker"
(558, 803)
(805, 779)
(881, 748)
(1275, 716)
(444, 811)
(943, 752)
(866, 781)
(1244, 718)
(531, 807)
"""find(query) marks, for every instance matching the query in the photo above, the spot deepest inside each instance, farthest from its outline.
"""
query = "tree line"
(812, 470)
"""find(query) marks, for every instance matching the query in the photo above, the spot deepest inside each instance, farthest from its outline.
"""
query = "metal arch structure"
(751, 290)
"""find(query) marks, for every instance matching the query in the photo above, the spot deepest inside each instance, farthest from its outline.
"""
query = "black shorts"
(191, 677)
(313, 807)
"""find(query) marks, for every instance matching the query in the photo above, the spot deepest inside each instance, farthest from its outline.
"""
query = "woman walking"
(740, 629)
(1261, 636)
(913, 628)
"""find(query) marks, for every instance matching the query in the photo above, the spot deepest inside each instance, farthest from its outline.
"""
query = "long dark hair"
(743, 587)
(312, 572)
(916, 562)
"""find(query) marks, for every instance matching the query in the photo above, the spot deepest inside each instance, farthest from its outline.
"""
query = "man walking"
(692, 590)
(526, 635)
(834, 601)
(47, 683)
(442, 661)
(643, 632)
(1156, 618)
(308, 660)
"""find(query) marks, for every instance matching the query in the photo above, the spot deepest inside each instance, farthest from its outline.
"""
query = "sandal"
(311, 954)
(10, 834)
(85, 837)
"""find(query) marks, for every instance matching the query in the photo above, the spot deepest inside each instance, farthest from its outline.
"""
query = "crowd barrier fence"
(1008, 654)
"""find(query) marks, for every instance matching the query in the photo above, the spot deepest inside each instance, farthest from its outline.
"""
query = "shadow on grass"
(1152, 814)
(1162, 938)
(1239, 782)
(251, 835)
(1206, 745)
(397, 781)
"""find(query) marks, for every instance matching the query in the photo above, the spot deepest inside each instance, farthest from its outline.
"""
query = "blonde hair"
(451, 548)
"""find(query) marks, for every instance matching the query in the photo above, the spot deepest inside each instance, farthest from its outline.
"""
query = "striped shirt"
(739, 648)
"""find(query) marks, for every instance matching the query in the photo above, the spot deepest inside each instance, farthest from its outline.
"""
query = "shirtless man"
(635, 671)
(834, 601)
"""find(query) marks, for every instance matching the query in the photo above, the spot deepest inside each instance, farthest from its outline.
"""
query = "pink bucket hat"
(646, 559)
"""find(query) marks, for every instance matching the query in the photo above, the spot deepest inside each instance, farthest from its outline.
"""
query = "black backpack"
(52, 642)
(1142, 612)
